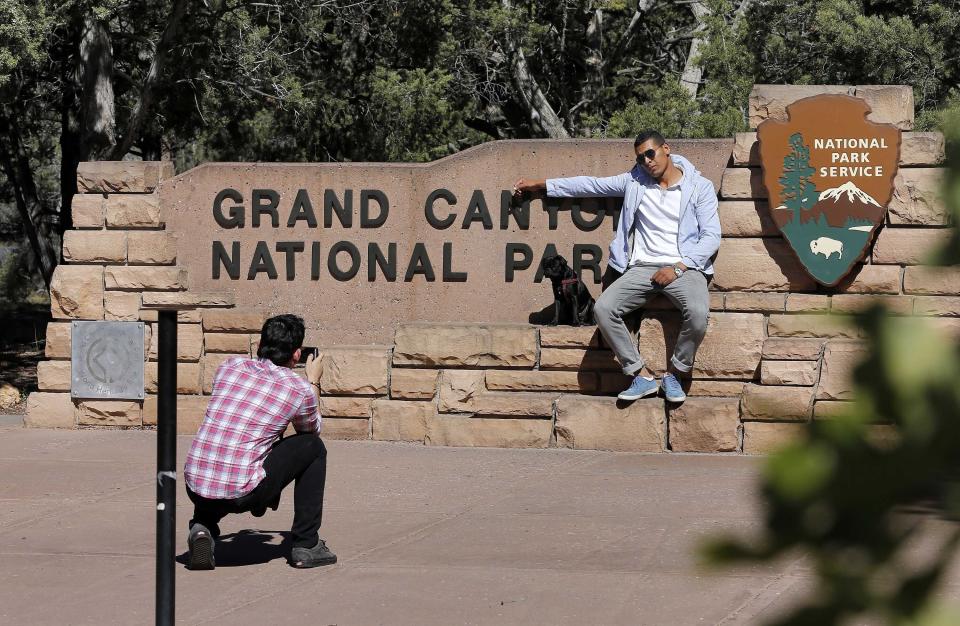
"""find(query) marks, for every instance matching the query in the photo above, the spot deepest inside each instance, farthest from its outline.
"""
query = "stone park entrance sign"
(417, 280)
(357, 248)
(829, 174)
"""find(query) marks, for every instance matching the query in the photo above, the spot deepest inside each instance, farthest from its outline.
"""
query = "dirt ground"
(22, 339)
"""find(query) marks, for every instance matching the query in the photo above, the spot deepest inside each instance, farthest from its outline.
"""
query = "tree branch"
(692, 70)
(145, 103)
(538, 108)
(643, 6)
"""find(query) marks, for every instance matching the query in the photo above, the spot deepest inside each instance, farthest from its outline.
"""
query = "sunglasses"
(646, 154)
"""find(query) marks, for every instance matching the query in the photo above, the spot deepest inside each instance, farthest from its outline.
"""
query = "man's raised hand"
(315, 367)
(524, 185)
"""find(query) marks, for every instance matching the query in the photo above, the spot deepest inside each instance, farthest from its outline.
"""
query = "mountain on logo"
(853, 193)
(842, 207)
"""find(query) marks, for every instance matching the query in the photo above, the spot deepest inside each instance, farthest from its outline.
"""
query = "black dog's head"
(554, 266)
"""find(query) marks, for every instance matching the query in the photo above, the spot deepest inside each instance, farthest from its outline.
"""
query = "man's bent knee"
(605, 308)
(310, 444)
(316, 445)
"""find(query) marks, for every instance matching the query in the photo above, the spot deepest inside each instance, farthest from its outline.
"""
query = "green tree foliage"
(416, 114)
(865, 42)
(23, 26)
(852, 495)
(347, 80)
(728, 69)
(719, 109)
(53, 112)
(667, 108)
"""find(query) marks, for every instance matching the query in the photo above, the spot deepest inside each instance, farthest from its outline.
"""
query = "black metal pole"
(166, 464)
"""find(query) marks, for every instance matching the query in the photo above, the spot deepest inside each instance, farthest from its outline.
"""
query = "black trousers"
(300, 459)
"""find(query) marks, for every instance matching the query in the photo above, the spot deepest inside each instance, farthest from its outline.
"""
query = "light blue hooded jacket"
(698, 238)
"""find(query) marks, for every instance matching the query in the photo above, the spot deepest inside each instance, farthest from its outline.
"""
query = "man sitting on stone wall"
(667, 236)
(236, 462)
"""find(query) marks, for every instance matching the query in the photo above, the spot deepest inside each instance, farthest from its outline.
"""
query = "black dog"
(572, 302)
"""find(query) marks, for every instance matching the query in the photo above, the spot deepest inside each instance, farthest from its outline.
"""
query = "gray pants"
(631, 291)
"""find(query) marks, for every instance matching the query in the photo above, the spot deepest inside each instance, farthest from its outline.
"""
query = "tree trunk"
(594, 80)
(692, 70)
(70, 154)
(151, 146)
(540, 112)
(144, 105)
(34, 214)
(96, 86)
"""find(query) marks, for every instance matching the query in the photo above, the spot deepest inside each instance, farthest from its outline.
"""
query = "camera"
(305, 353)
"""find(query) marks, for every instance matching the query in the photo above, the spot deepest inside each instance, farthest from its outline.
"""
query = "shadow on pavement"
(248, 547)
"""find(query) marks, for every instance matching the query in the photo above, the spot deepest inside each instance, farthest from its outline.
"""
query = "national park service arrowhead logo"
(829, 176)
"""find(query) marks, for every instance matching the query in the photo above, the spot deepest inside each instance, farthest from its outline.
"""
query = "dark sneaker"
(312, 557)
(201, 544)
(672, 390)
(640, 388)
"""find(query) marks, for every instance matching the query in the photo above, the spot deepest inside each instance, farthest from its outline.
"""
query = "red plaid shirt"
(252, 403)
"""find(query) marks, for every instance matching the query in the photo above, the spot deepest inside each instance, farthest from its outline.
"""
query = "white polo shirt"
(655, 237)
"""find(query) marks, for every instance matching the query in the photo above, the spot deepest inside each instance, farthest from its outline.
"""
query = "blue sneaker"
(672, 389)
(640, 388)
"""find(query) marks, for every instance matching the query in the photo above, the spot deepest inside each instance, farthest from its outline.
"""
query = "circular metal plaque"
(107, 360)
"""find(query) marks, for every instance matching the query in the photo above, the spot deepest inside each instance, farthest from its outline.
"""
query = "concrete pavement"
(424, 536)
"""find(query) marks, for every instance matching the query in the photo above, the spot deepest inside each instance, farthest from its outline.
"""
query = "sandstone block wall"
(778, 352)
(118, 262)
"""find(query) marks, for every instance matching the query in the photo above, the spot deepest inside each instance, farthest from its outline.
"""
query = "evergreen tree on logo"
(799, 192)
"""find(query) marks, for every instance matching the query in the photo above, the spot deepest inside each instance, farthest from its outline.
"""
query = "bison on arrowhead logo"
(829, 176)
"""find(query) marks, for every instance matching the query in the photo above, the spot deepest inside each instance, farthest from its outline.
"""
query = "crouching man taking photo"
(239, 462)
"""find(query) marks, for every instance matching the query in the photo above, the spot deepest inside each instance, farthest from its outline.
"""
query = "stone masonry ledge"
(758, 379)
(122, 176)
(186, 300)
(465, 345)
(889, 104)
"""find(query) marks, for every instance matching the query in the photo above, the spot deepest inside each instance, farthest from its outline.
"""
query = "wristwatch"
(679, 272)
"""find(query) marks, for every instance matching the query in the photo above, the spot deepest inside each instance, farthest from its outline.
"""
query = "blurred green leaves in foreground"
(870, 500)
